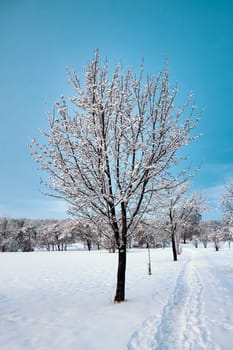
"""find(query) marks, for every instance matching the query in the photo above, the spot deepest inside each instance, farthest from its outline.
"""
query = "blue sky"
(40, 39)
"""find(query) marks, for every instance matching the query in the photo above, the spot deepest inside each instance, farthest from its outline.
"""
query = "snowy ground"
(63, 301)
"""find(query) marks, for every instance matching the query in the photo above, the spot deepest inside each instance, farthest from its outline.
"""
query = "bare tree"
(26, 238)
(227, 200)
(182, 212)
(3, 234)
(114, 153)
(216, 234)
(173, 203)
(9, 230)
(227, 204)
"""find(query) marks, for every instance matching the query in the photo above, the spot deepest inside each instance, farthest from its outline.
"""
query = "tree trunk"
(178, 248)
(122, 249)
(149, 260)
(174, 248)
(184, 239)
(120, 289)
(89, 244)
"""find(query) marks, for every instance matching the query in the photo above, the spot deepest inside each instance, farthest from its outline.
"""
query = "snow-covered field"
(63, 301)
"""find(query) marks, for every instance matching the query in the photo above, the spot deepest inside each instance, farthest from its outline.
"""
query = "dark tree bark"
(120, 288)
(174, 251)
(122, 250)
(149, 262)
(89, 244)
(184, 238)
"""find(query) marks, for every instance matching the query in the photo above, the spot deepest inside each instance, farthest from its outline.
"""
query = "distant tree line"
(27, 235)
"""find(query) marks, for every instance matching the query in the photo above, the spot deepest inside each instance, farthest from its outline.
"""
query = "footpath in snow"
(63, 301)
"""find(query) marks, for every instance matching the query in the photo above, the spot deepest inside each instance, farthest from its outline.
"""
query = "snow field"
(64, 301)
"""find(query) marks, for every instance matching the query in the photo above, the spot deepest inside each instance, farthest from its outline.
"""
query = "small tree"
(26, 238)
(227, 200)
(204, 240)
(182, 213)
(3, 234)
(172, 203)
(110, 158)
(227, 204)
(206, 231)
(144, 236)
(195, 241)
(216, 240)
(228, 233)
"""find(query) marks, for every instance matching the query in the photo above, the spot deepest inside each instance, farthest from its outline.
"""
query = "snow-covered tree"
(181, 213)
(9, 230)
(212, 231)
(4, 237)
(26, 238)
(45, 235)
(205, 229)
(55, 235)
(172, 204)
(217, 237)
(227, 200)
(151, 233)
(111, 152)
(227, 203)
(89, 234)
